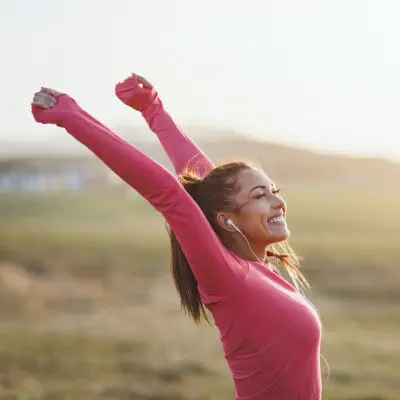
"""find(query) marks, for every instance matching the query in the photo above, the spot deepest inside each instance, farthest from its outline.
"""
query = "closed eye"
(273, 191)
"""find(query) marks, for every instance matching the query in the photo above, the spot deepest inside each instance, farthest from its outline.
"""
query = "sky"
(319, 74)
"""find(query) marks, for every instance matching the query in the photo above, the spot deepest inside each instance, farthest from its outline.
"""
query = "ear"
(222, 221)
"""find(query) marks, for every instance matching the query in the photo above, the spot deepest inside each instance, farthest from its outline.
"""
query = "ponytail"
(184, 280)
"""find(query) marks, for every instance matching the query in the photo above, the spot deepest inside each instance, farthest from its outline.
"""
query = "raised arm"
(211, 263)
(140, 95)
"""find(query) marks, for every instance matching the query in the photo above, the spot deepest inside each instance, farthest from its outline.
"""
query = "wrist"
(155, 103)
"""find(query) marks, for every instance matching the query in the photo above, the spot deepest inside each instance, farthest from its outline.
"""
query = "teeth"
(277, 220)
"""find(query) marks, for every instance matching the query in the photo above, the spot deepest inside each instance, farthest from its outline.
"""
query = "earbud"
(229, 222)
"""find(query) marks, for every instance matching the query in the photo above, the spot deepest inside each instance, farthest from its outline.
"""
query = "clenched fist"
(136, 92)
(52, 107)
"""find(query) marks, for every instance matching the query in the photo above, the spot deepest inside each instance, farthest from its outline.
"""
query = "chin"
(279, 238)
(275, 234)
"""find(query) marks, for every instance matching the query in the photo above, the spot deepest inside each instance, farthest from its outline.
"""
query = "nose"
(279, 204)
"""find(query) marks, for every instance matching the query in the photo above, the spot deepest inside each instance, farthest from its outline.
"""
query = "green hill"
(284, 164)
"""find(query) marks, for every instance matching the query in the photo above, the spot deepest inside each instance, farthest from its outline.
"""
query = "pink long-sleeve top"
(270, 333)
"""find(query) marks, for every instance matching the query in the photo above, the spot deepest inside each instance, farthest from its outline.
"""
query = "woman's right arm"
(212, 265)
(139, 94)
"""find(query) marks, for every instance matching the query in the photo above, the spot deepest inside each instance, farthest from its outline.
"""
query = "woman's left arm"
(140, 95)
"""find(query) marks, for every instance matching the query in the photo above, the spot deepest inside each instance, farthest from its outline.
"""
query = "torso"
(271, 337)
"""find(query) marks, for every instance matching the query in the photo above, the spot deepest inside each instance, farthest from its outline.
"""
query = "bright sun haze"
(323, 75)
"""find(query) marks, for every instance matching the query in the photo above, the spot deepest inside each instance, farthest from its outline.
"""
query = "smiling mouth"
(277, 220)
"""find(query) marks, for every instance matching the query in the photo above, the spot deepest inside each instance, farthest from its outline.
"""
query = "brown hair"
(213, 194)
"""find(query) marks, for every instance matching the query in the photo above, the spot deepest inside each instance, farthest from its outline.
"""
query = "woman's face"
(261, 214)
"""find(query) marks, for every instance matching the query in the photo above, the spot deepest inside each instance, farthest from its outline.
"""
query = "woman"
(223, 221)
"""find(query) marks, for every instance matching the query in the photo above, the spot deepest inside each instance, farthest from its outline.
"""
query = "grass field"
(88, 310)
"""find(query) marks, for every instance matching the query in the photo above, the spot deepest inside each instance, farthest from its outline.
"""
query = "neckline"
(267, 265)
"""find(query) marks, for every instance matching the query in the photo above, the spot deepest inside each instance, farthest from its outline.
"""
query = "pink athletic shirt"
(270, 333)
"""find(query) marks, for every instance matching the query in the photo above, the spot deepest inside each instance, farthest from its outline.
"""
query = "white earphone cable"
(229, 222)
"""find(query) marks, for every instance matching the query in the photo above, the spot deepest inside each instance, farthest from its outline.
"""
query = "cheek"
(258, 207)
(259, 228)
(255, 210)
(251, 215)
(253, 218)
(254, 221)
